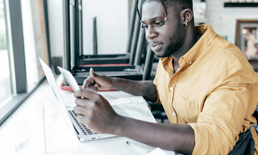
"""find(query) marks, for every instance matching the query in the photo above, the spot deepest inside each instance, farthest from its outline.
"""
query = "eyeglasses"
(157, 23)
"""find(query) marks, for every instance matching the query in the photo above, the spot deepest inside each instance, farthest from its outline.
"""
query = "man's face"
(165, 39)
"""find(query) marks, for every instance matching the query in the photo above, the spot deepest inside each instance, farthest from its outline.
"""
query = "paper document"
(158, 151)
(128, 100)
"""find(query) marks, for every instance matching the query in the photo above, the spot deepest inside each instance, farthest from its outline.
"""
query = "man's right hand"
(95, 82)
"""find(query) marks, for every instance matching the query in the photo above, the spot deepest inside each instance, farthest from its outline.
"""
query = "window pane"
(5, 86)
(34, 40)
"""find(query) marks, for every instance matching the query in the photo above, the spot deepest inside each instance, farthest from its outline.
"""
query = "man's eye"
(158, 23)
(144, 26)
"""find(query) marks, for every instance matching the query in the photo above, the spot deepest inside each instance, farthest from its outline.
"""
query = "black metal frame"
(136, 31)
(66, 54)
(18, 45)
(45, 6)
(133, 72)
(237, 4)
(148, 64)
(132, 43)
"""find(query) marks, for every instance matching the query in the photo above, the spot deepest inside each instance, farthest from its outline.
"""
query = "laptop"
(78, 129)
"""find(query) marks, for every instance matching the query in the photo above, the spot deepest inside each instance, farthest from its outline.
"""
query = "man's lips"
(155, 46)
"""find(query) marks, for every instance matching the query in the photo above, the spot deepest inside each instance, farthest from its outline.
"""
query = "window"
(5, 86)
(19, 78)
(35, 40)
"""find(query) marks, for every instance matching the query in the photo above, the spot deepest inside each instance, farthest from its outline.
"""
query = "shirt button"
(190, 63)
(173, 114)
(171, 88)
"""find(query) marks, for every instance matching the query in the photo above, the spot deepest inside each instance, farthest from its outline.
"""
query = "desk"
(24, 132)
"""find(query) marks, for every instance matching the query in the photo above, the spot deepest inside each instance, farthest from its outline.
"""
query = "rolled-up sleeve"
(221, 119)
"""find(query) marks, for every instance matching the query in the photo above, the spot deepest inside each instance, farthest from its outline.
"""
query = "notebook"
(78, 129)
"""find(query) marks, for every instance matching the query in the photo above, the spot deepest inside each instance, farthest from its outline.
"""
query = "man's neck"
(175, 66)
(192, 36)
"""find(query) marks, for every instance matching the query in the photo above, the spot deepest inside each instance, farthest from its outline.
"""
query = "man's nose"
(150, 32)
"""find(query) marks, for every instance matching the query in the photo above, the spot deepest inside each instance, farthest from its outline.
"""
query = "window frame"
(17, 62)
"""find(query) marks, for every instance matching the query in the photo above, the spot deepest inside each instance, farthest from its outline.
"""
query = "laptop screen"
(52, 82)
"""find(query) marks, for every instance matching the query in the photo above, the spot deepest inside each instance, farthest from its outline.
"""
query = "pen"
(137, 146)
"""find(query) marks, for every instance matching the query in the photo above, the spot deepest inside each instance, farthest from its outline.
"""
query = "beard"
(174, 43)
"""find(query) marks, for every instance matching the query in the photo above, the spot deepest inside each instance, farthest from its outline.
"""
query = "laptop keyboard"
(83, 128)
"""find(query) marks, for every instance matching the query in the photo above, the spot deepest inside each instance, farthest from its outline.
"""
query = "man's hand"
(95, 112)
(98, 115)
(141, 88)
(95, 82)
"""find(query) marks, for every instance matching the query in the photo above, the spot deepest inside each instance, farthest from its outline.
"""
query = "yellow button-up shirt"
(215, 91)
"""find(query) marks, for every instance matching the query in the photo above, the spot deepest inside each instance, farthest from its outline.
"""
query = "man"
(205, 84)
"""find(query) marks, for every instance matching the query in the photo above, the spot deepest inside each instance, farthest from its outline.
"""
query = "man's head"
(166, 24)
(177, 4)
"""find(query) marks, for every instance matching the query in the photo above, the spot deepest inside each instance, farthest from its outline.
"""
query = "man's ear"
(186, 16)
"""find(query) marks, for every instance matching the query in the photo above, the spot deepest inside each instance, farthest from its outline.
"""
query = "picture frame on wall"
(199, 10)
(247, 37)
(247, 40)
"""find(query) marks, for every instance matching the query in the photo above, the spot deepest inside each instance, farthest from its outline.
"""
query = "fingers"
(94, 107)
(82, 102)
(92, 88)
(87, 94)
(80, 110)
(87, 83)
(81, 114)
(83, 109)
(81, 119)
(92, 74)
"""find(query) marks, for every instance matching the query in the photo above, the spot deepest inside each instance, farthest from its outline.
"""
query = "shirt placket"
(171, 89)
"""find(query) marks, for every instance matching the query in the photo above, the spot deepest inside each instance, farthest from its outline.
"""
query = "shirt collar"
(167, 64)
(208, 34)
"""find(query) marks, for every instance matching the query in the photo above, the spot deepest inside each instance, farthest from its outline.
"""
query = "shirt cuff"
(201, 139)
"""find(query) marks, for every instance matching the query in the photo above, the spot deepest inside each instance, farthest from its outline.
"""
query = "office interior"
(82, 34)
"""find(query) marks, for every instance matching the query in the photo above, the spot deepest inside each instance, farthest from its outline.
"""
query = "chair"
(80, 67)
(157, 110)
(115, 59)
(255, 114)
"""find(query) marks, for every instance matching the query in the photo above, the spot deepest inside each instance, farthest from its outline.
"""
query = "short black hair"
(177, 4)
